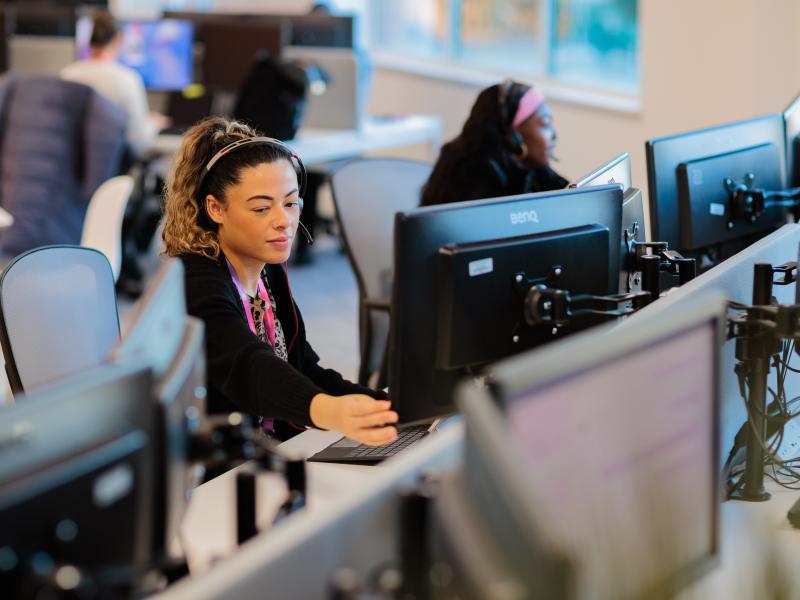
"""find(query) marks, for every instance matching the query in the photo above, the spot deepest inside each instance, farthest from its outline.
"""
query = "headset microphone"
(306, 233)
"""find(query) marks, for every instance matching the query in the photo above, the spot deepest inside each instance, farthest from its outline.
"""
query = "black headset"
(295, 161)
(512, 139)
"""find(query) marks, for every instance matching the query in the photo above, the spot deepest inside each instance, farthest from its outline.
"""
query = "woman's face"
(539, 137)
(259, 217)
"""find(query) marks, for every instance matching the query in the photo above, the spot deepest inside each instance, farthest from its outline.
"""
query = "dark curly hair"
(483, 138)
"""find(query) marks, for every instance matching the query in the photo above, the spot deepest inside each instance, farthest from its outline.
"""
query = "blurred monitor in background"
(160, 51)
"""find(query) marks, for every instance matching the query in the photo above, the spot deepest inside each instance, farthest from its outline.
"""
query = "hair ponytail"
(187, 229)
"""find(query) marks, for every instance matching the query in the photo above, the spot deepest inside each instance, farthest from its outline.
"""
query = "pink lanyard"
(269, 318)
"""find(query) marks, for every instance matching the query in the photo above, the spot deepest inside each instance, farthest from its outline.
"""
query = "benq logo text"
(524, 216)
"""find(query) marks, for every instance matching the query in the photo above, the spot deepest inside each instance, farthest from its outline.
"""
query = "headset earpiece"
(300, 202)
(512, 139)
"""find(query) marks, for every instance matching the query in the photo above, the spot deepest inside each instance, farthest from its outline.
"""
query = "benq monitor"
(478, 248)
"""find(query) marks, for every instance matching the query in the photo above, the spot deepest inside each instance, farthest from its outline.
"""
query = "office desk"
(209, 527)
(316, 146)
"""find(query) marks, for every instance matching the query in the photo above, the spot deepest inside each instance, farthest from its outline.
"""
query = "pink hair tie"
(528, 104)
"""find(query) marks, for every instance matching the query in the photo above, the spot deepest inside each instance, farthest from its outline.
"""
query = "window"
(592, 42)
(595, 41)
(418, 28)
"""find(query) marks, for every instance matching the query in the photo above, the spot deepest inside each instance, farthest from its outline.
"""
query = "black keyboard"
(346, 450)
(405, 437)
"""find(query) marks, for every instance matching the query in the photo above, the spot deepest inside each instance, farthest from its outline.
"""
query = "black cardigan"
(244, 374)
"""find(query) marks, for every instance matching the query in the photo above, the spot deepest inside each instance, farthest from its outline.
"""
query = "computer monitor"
(689, 200)
(617, 170)
(634, 224)
(734, 279)
(327, 31)
(791, 121)
(161, 336)
(160, 51)
(41, 19)
(322, 31)
(452, 259)
(616, 471)
(76, 475)
(230, 49)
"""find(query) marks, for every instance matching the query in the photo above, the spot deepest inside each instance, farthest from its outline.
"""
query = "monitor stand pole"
(754, 354)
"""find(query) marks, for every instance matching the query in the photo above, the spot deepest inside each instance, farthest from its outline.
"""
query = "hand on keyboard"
(356, 416)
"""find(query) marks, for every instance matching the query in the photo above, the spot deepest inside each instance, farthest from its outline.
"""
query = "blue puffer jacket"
(58, 142)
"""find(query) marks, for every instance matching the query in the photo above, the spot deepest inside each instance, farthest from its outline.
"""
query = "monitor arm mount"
(661, 260)
(225, 441)
(759, 330)
(747, 203)
(546, 304)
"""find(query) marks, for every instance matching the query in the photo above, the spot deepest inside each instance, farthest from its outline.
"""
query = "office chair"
(367, 193)
(102, 228)
(58, 314)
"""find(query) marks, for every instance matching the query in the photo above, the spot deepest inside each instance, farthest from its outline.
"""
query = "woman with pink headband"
(505, 148)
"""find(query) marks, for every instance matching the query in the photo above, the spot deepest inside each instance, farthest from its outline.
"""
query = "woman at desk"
(233, 202)
(505, 148)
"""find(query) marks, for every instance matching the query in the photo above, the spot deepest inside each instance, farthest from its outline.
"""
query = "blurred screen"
(622, 460)
(160, 51)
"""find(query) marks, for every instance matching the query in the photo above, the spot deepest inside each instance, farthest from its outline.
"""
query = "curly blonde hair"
(187, 227)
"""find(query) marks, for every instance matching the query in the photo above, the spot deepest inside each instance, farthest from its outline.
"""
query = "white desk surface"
(209, 527)
(323, 145)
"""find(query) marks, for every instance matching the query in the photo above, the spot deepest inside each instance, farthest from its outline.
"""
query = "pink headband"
(528, 104)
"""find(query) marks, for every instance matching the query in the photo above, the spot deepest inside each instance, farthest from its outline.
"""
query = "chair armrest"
(378, 303)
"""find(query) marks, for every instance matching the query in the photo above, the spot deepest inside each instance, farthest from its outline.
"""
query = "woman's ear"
(214, 209)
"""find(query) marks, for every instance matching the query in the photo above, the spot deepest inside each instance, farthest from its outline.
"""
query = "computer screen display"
(481, 234)
(160, 51)
(619, 447)
(690, 204)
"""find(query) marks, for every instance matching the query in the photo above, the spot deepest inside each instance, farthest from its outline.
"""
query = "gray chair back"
(58, 314)
(367, 194)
